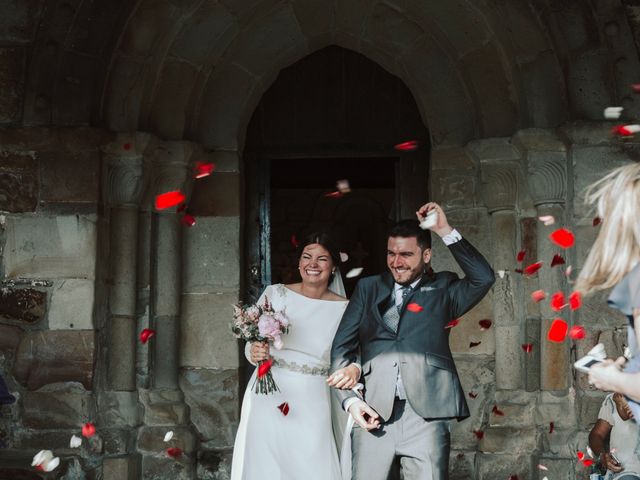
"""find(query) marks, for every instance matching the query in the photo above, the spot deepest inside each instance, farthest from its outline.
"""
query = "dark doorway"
(333, 115)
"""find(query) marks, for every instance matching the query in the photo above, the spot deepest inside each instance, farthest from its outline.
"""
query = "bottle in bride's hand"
(261, 323)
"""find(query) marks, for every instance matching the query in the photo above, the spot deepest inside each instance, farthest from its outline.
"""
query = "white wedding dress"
(300, 445)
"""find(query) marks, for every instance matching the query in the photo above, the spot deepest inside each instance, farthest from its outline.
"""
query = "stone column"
(124, 187)
(499, 190)
(172, 167)
(547, 185)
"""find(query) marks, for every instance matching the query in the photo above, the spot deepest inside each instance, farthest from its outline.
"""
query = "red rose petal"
(474, 344)
(557, 260)
(596, 221)
(635, 87)
(577, 332)
(563, 238)
(294, 241)
(485, 323)
(204, 169)
(188, 220)
(414, 308)
(558, 301)
(479, 434)
(496, 411)
(284, 408)
(575, 300)
(452, 323)
(127, 146)
(473, 395)
(264, 368)
(333, 194)
(551, 427)
(460, 456)
(408, 146)
(518, 270)
(527, 347)
(146, 334)
(88, 430)
(533, 268)
(513, 477)
(169, 199)
(174, 452)
(520, 256)
(558, 331)
(621, 130)
(580, 456)
(587, 462)
(538, 296)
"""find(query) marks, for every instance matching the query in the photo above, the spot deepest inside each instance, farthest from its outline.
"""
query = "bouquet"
(261, 323)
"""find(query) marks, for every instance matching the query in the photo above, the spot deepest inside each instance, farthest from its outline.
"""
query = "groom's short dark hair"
(411, 228)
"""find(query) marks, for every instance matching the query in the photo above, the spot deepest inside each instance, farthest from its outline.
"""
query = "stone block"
(118, 409)
(124, 93)
(452, 158)
(543, 82)
(214, 464)
(588, 405)
(161, 468)
(454, 191)
(19, 185)
(120, 468)
(212, 255)
(118, 441)
(587, 84)
(9, 338)
(225, 161)
(468, 332)
(217, 195)
(564, 443)
(69, 177)
(461, 465)
(538, 140)
(494, 150)
(510, 440)
(62, 246)
(203, 314)
(71, 306)
(24, 305)
(82, 75)
(555, 368)
(514, 415)
(13, 63)
(504, 466)
(212, 396)
(69, 406)
(151, 440)
(315, 17)
(47, 357)
(392, 28)
(557, 409)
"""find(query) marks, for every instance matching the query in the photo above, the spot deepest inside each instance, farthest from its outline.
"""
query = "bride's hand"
(345, 378)
(259, 352)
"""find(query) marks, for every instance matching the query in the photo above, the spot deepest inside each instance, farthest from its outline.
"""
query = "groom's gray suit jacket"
(420, 348)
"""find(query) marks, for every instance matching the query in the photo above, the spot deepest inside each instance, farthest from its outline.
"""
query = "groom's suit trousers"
(422, 445)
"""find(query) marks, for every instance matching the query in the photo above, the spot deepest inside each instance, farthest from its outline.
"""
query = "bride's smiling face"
(315, 264)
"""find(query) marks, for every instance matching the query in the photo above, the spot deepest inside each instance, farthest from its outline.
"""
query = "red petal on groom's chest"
(414, 308)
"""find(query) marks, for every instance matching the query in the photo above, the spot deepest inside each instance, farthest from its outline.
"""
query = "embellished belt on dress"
(295, 367)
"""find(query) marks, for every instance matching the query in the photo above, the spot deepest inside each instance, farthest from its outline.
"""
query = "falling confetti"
(527, 347)
(294, 241)
(146, 334)
(188, 220)
(204, 169)
(333, 194)
(127, 146)
(408, 146)
(168, 436)
(520, 256)
(501, 273)
(547, 220)
(169, 199)
(563, 238)
(533, 268)
(343, 186)
(496, 411)
(45, 461)
(513, 477)
(473, 395)
(452, 323)
(557, 260)
(538, 296)
(344, 257)
(354, 272)
(577, 332)
(558, 331)
(613, 113)
(558, 301)
(174, 452)
(474, 344)
(567, 272)
(75, 441)
(479, 434)
(625, 130)
(414, 308)
(596, 221)
(284, 408)
(575, 300)
(485, 324)
(88, 430)
(542, 467)
(635, 87)
(551, 427)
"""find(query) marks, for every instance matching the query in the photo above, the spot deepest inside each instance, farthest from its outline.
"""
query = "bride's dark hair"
(323, 239)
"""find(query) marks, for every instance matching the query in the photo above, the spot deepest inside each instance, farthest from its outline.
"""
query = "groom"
(395, 331)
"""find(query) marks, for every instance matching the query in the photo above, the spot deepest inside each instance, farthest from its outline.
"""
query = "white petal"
(75, 441)
(633, 128)
(612, 113)
(344, 257)
(168, 436)
(542, 467)
(41, 457)
(354, 272)
(547, 219)
(501, 273)
(51, 465)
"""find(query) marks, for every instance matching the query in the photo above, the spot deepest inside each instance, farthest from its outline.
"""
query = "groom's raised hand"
(364, 415)
(442, 226)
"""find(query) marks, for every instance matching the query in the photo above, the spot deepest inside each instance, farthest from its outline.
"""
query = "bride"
(276, 444)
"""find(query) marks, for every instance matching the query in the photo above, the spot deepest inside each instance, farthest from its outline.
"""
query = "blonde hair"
(617, 249)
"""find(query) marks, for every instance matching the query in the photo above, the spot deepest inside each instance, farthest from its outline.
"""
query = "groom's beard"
(415, 275)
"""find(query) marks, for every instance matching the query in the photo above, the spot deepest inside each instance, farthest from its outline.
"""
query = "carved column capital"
(499, 186)
(547, 180)
(126, 177)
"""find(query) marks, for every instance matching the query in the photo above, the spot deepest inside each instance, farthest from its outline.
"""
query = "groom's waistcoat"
(420, 347)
